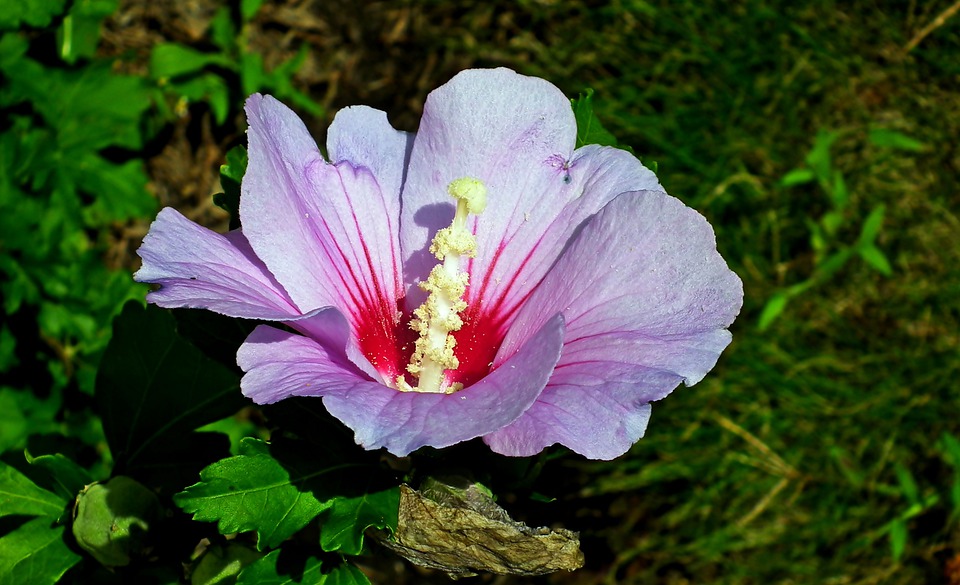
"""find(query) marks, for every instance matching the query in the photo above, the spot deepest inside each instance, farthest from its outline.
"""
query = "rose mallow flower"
(480, 278)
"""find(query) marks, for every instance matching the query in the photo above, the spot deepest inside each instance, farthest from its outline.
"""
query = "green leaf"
(172, 60)
(797, 177)
(35, 13)
(252, 491)
(253, 76)
(343, 524)
(223, 33)
(908, 487)
(79, 34)
(153, 387)
(276, 569)
(832, 265)
(35, 553)
(249, 8)
(276, 489)
(63, 477)
(231, 175)
(120, 191)
(871, 226)
(818, 159)
(831, 221)
(22, 413)
(898, 538)
(876, 259)
(20, 496)
(950, 445)
(775, 305)
(885, 138)
(589, 128)
(839, 193)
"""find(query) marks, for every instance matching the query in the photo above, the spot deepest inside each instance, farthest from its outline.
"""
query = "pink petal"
(281, 364)
(198, 268)
(517, 135)
(647, 300)
(328, 232)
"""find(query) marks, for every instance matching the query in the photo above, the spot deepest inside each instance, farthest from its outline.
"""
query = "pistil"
(439, 315)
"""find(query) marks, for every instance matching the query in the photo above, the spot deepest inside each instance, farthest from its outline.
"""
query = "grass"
(781, 466)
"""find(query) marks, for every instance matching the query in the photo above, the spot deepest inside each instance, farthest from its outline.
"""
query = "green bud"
(221, 565)
(112, 520)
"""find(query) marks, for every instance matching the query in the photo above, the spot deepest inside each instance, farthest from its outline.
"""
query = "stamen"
(439, 315)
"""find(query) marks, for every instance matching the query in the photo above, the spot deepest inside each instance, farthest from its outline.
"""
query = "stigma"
(439, 316)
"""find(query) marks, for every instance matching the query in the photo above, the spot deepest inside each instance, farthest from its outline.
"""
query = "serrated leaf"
(63, 477)
(885, 138)
(876, 259)
(35, 553)
(277, 569)
(154, 387)
(589, 128)
(255, 491)
(797, 177)
(20, 496)
(344, 523)
(772, 310)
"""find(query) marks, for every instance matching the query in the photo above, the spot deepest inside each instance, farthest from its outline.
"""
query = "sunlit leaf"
(277, 569)
(35, 553)
(344, 523)
(20, 496)
(276, 489)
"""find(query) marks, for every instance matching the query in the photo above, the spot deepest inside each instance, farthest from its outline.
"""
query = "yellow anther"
(470, 190)
(439, 315)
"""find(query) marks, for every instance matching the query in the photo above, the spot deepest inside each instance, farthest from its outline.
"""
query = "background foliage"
(819, 138)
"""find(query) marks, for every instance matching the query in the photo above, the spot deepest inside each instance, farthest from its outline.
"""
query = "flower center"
(439, 315)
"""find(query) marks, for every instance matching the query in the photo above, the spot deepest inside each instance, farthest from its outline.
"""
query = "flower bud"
(112, 520)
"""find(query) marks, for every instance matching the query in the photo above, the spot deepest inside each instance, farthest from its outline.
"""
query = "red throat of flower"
(447, 344)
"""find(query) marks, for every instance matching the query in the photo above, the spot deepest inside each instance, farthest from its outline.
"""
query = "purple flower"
(481, 278)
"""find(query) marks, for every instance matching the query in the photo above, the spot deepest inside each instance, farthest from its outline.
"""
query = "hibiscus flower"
(480, 278)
